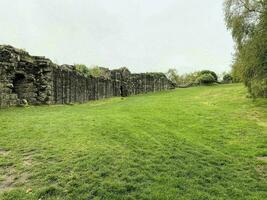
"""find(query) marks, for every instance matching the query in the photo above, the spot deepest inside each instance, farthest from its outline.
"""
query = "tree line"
(247, 21)
(204, 77)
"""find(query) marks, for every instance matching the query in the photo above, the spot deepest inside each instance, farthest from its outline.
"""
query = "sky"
(143, 35)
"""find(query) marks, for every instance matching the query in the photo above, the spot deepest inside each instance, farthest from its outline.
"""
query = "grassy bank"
(195, 143)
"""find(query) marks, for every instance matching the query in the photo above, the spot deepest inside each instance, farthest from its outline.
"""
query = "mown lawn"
(195, 143)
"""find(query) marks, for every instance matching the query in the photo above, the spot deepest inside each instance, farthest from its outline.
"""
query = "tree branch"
(246, 6)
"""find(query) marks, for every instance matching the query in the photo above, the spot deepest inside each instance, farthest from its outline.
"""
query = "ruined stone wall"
(69, 86)
(148, 82)
(26, 79)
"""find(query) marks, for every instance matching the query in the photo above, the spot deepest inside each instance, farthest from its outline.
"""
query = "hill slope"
(196, 143)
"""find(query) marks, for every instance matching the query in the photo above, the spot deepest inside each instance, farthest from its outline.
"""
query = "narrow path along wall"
(35, 80)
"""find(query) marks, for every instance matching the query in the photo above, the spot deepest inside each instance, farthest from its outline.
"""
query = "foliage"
(205, 78)
(236, 66)
(190, 79)
(247, 19)
(198, 143)
(94, 71)
(227, 78)
(81, 68)
(213, 74)
(97, 71)
(172, 74)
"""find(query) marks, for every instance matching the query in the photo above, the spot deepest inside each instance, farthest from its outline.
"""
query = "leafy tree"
(206, 78)
(247, 20)
(172, 74)
(191, 79)
(181, 80)
(209, 72)
(227, 78)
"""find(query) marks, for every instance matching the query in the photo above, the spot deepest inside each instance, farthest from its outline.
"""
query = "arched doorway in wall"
(19, 85)
(123, 90)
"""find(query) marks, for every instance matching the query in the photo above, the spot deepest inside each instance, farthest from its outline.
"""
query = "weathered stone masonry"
(37, 80)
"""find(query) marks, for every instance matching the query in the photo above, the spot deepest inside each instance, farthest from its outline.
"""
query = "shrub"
(94, 71)
(97, 71)
(206, 78)
(258, 87)
(81, 68)
(209, 72)
(227, 78)
(192, 79)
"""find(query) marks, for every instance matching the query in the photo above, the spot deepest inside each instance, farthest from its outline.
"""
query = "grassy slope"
(196, 143)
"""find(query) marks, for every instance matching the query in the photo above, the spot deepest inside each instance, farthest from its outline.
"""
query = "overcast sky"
(144, 35)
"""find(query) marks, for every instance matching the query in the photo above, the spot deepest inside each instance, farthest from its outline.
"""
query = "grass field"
(196, 143)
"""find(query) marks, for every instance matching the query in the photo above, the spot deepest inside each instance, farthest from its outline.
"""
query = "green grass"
(196, 143)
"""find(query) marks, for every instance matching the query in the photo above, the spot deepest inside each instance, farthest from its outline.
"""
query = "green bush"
(81, 68)
(94, 71)
(227, 78)
(247, 20)
(206, 78)
(97, 71)
(209, 72)
(192, 79)
(258, 87)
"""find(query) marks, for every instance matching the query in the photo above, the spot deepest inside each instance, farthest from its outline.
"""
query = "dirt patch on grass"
(7, 184)
(12, 178)
(262, 168)
(262, 158)
(8, 180)
(262, 171)
(4, 152)
(27, 161)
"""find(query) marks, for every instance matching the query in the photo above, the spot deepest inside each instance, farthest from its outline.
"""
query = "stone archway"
(20, 85)
(123, 90)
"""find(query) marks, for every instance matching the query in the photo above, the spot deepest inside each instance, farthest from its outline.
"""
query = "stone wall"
(69, 86)
(24, 78)
(35, 80)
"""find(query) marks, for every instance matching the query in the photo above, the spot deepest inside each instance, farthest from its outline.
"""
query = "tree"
(247, 20)
(209, 72)
(227, 78)
(181, 80)
(192, 79)
(206, 78)
(172, 74)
